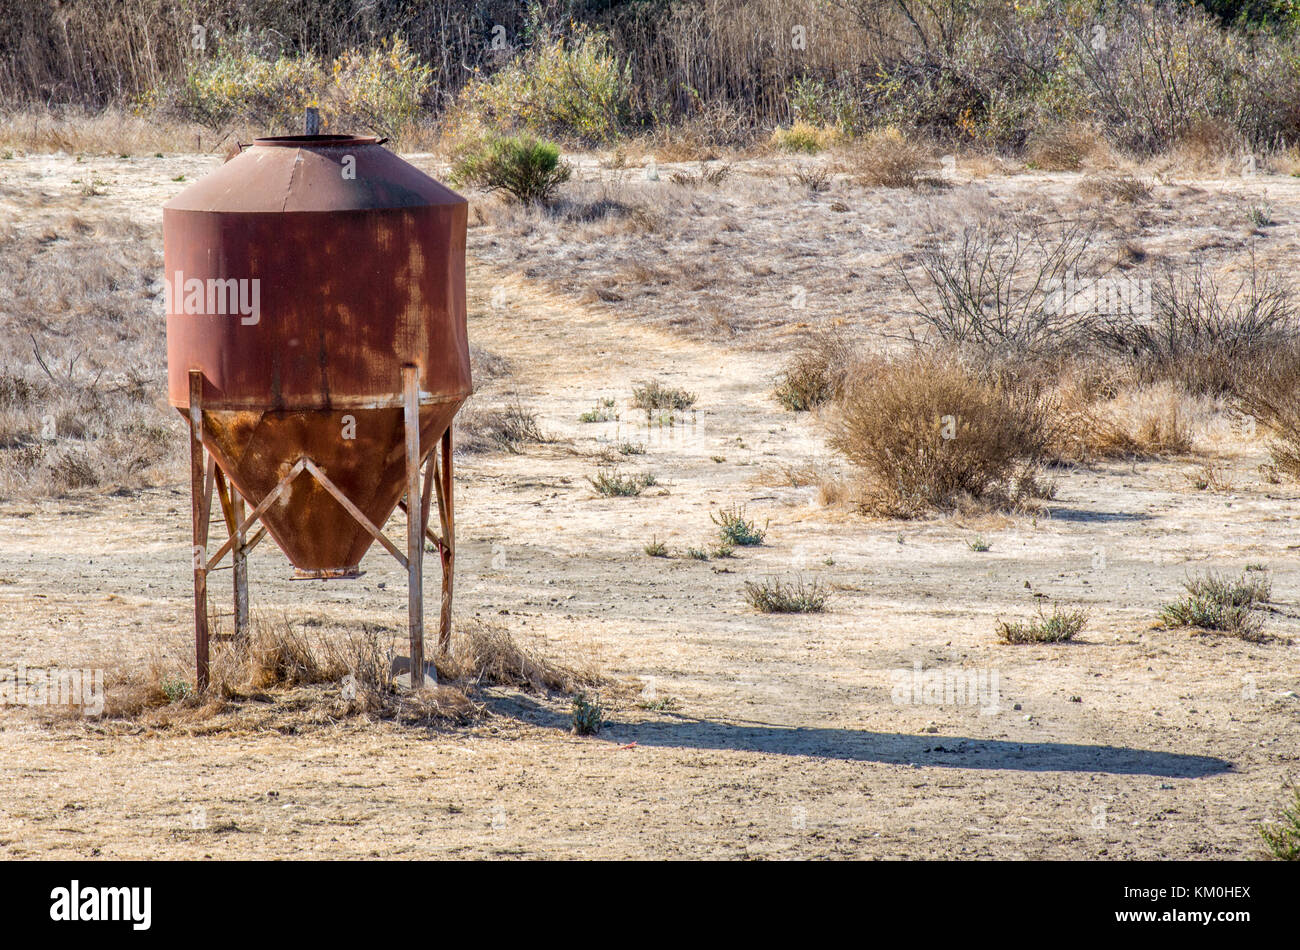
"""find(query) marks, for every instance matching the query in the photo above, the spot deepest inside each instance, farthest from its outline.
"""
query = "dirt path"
(784, 737)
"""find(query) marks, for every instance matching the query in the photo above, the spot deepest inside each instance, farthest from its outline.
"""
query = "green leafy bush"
(382, 88)
(587, 715)
(521, 166)
(737, 530)
(239, 83)
(572, 88)
(385, 86)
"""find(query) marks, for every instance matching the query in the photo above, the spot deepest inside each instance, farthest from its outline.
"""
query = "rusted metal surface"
(359, 264)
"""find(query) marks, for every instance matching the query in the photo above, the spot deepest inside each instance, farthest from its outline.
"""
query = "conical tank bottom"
(363, 451)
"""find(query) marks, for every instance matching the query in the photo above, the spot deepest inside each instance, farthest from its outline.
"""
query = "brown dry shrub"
(1207, 333)
(928, 433)
(1102, 414)
(1124, 189)
(816, 373)
(1208, 146)
(1270, 392)
(1067, 147)
(886, 158)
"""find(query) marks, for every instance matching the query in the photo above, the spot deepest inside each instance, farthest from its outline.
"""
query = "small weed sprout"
(978, 544)
(736, 529)
(587, 715)
(602, 411)
(656, 548)
(176, 689)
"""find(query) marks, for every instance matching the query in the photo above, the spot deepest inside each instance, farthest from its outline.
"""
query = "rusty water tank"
(301, 276)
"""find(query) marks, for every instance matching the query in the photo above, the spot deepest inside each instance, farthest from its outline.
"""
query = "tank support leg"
(200, 500)
(447, 549)
(239, 554)
(414, 523)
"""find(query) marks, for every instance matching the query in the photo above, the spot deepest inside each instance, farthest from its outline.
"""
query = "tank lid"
(313, 173)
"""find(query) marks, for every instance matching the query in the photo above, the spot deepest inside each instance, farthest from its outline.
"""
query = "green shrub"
(522, 167)
(602, 411)
(1218, 603)
(611, 483)
(241, 84)
(655, 548)
(572, 88)
(1283, 838)
(382, 88)
(819, 105)
(176, 689)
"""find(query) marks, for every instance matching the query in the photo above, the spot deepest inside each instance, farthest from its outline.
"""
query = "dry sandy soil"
(781, 737)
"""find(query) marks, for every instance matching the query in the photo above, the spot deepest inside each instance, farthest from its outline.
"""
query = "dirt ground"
(753, 735)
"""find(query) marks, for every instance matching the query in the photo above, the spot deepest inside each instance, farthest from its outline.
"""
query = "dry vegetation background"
(844, 226)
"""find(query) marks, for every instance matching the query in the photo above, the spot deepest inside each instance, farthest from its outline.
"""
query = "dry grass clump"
(1067, 147)
(506, 428)
(1119, 419)
(1206, 334)
(775, 596)
(1209, 146)
(653, 396)
(285, 677)
(927, 433)
(1116, 188)
(485, 654)
(886, 158)
(105, 132)
(816, 373)
(803, 137)
(1060, 626)
(708, 174)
